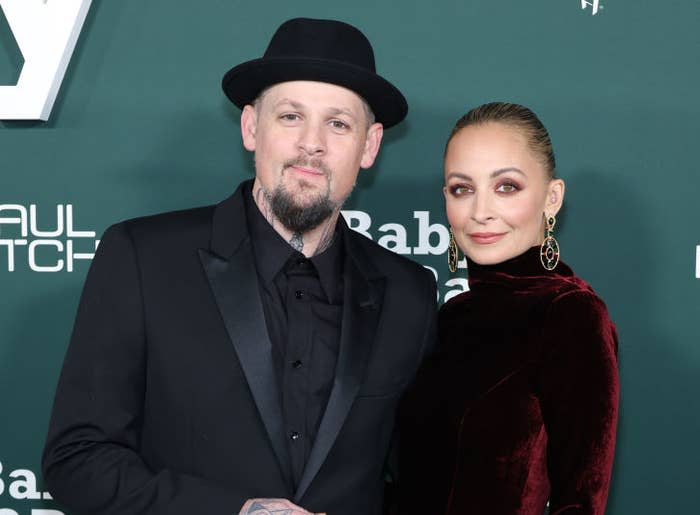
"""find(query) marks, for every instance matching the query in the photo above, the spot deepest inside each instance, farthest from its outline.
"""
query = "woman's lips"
(484, 238)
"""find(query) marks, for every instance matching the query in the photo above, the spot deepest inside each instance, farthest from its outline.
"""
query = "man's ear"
(249, 124)
(372, 144)
(555, 197)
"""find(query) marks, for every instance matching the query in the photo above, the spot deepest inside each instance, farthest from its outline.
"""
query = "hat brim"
(243, 83)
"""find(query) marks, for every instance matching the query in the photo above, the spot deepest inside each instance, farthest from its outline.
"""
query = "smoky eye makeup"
(458, 189)
(508, 186)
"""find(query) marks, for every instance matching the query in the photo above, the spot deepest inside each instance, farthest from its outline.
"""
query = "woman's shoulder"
(578, 314)
(456, 301)
(573, 294)
(565, 290)
(456, 307)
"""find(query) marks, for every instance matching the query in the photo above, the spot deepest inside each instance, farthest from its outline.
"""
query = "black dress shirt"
(302, 300)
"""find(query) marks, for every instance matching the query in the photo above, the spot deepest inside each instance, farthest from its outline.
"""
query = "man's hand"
(273, 507)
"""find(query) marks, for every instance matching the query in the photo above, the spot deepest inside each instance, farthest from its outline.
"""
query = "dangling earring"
(452, 254)
(549, 251)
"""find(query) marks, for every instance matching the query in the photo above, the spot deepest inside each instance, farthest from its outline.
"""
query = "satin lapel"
(234, 284)
(361, 309)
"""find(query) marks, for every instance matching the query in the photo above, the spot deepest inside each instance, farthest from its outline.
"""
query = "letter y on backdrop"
(46, 32)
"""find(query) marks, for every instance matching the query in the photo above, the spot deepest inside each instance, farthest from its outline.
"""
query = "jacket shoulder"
(182, 227)
(170, 220)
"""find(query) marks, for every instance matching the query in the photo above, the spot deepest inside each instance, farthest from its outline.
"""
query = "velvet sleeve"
(578, 387)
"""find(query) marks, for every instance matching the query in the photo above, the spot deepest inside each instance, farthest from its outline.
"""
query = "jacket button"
(297, 364)
(299, 294)
(294, 435)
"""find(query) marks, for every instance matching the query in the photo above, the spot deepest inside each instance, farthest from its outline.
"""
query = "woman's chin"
(492, 254)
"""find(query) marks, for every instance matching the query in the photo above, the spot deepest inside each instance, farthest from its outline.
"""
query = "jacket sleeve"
(425, 351)
(579, 390)
(91, 461)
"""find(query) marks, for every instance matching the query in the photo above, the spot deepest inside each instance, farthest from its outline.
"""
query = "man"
(249, 356)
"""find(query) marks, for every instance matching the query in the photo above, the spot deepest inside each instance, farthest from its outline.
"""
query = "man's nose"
(312, 140)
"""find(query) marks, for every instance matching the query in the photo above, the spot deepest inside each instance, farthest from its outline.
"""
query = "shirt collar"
(329, 265)
(272, 252)
(269, 248)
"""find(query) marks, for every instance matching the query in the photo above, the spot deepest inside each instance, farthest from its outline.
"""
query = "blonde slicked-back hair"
(519, 117)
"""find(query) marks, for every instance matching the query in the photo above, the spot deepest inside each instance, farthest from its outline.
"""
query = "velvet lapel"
(363, 294)
(230, 268)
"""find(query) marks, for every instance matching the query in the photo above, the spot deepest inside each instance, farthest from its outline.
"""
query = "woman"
(518, 407)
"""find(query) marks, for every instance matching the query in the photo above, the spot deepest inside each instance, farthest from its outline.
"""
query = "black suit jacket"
(168, 402)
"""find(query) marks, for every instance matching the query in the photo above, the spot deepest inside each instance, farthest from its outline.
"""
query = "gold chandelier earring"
(549, 251)
(452, 254)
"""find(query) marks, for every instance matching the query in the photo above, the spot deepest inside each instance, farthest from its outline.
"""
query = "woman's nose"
(482, 208)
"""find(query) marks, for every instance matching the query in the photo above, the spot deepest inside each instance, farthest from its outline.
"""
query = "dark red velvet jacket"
(519, 404)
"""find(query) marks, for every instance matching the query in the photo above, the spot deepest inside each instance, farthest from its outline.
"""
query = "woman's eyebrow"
(501, 171)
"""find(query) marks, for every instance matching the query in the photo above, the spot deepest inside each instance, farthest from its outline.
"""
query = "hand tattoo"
(258, 508)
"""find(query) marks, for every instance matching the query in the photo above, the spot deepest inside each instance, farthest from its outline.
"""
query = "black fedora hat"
(318, 50)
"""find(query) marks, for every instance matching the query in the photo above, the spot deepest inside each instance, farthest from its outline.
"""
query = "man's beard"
(302, 218)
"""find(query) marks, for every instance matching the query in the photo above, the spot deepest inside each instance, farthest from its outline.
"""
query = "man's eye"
(338, 124)
(290, 117)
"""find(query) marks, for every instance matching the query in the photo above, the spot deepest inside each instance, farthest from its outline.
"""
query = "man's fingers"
(272, 507)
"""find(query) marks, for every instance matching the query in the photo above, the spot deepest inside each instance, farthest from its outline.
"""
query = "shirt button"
(297, 364)
(294, 436)
(299, 294)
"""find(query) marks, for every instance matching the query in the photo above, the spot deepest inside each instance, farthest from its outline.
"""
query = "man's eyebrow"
(492, 175)
(342, 110)
(333, 111)
(293, 103)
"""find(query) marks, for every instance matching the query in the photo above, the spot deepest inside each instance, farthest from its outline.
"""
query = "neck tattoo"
(262, 199)
(296, 242)
(327, 237)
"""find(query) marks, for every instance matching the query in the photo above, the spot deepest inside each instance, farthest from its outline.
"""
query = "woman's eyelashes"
(507, 187)
(460, 189)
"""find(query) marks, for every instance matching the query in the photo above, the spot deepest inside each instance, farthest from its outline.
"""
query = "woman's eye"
(460, 189)
(507, 187)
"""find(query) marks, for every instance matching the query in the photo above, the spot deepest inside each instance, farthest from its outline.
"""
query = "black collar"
(230, 231)
(272, 252)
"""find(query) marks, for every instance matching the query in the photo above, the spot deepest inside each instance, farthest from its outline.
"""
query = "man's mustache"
(306, 162)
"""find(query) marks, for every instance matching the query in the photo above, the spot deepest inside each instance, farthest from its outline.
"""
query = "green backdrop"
(141, 126)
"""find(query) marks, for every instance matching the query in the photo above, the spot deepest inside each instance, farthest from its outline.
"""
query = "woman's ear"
(555, 196)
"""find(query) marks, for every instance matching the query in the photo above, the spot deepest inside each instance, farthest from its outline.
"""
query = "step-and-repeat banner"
(113, 110)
